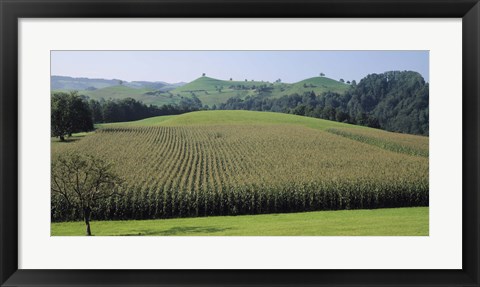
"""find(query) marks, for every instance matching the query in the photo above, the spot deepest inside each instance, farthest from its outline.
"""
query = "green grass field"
(379, 222)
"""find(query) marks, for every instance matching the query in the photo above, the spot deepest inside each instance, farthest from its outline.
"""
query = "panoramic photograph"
(239, 143)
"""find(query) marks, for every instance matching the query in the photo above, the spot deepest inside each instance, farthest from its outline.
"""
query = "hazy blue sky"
(185, 66)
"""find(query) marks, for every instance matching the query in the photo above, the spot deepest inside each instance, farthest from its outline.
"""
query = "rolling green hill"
(211, 85)
(396, 142)
(318, 85)
(209, 90)
(213, 91)
(206, 118)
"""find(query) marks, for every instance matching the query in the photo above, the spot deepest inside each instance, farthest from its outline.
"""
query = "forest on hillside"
(394, 101)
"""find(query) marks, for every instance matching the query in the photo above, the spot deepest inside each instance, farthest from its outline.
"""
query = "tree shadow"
(68, 140)
(187, 230)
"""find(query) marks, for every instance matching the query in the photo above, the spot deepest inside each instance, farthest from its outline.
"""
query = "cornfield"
(187, 171)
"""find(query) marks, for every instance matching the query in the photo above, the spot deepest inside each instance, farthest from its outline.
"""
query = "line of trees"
(394, 101)
(74, 113)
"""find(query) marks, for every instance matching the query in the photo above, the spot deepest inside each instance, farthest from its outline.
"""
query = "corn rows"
(407, 144)
(245, 169)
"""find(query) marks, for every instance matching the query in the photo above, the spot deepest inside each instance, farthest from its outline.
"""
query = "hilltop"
(214, 92)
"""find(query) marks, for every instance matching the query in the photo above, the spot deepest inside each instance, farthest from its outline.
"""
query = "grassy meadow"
(410, 221)
(211, 165)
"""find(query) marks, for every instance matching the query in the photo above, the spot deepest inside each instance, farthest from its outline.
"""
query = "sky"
(186, 66)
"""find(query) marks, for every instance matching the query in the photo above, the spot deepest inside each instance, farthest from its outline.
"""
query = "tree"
(60, 116)
(231, 79)
(83, 181)
(96, 108)
(80, 115)
(203, 74)
(342, 81)
(322, 75)
(70, 113)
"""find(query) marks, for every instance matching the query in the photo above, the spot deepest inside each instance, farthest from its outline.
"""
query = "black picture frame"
(11, 11)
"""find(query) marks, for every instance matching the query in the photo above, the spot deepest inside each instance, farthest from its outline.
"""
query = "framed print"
(239, 143)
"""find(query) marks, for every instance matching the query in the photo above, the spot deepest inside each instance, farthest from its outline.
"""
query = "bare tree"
(84, 180)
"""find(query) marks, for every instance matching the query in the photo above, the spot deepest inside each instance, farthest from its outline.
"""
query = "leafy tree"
(60, 116)
(342, 81)
(83, 181)
(97, 113)
(203, 74)
(80, 115)
(322, 75)
(70, 113)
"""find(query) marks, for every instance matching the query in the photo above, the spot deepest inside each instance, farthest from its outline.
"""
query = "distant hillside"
(69, 83)
(162, 86)
(80, 84)
(212, 85)
(210, 91)
(214, 92)
(318, 85)
(145, 95)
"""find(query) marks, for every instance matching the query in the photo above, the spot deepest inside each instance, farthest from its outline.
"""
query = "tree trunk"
(86, 212)
(62, 138)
